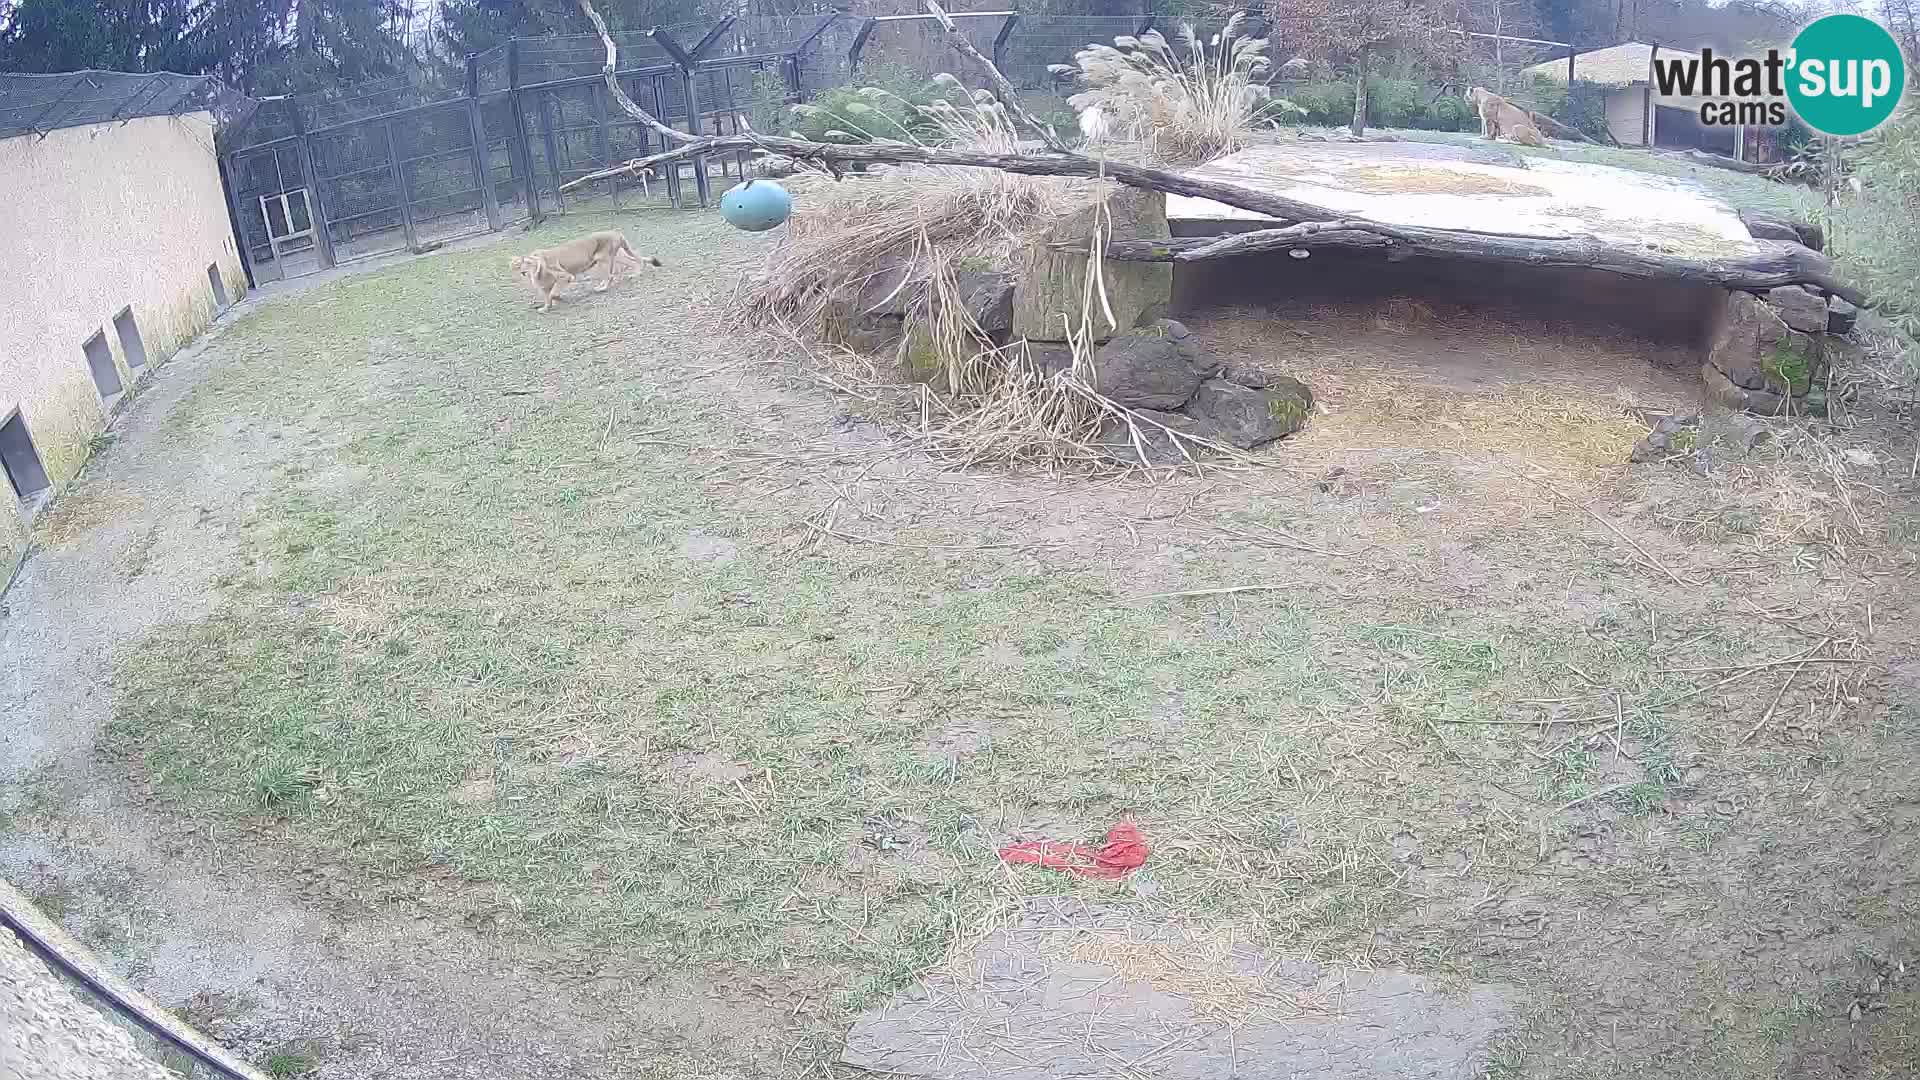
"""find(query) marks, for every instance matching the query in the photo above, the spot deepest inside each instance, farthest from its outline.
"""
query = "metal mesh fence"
(43, 103)
(920, 45)
(399, 164)
(553, 59)
(1037, 42)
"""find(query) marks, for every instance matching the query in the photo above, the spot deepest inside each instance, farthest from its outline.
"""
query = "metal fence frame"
(480, 158)
(397, 166)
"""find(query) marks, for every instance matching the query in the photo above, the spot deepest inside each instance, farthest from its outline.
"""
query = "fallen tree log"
(1776, 263)
(1559, 130)
(1044, 164)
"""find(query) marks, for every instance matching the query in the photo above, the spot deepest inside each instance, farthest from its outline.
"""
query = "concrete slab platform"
(1474, 189)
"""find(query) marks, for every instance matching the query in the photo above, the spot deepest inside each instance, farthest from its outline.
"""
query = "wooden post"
(702, 185)
(553, 150)
(225, 164)
(691, 99)
(316, 204)
(519, 149)
(400, 185)
(1570, 72)
(859, 43)
(1000, 41)
(1646, 99)
(672, 170)
(603, 139)
(482, 157)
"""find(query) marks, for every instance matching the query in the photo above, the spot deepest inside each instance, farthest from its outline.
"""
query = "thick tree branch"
(1140, 176)
(627, 104)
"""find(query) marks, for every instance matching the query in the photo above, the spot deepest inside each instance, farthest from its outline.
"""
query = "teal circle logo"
(1847, 75)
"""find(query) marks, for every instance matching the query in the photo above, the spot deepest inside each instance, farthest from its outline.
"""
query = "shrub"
(889, 104)
(1192, 102)
(1392, 101)
(1583, 106)
(1875, 234)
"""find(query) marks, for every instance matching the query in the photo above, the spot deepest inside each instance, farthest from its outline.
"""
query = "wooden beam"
(700, 48)
(1777, 263)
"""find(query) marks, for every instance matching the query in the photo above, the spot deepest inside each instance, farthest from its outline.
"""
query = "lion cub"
(1499, 117)
(549, 268)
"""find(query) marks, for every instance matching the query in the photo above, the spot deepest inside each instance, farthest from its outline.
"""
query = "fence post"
(553, 150)
(316, 203)
(1647, 120)
(399, 174)
(225, 164)
(672, 170)
(859, 43)
(685, 62)
(603, 139)
(1000, 41)
(519, 149)
(1569, 72)
(482, 156)
(702, 186)
(711, 36)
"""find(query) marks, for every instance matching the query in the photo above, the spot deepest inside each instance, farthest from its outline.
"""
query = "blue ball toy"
(756, 206)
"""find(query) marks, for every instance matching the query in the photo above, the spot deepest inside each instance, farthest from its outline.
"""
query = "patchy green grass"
(291, 1061)
(534, 601)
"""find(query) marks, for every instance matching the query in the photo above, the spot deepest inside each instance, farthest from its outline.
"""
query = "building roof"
(43, 103)
(1619, 65)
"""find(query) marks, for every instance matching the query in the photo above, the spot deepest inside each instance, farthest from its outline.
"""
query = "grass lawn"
(625, 639)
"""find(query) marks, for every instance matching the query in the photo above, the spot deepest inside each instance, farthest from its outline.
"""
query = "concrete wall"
(1626, 115)
(94, 219)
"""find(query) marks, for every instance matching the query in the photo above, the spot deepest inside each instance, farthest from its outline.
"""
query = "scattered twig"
(1591, 795)
(1269, 536)
(1544, 722)
(1214, 592)
(1768, 715)
(1651, 562)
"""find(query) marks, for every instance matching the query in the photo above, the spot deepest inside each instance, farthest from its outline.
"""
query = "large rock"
(1799, 308)
(988, 298)
(1046, 359)
(1761, 402)
(1841, 316)
(1147, 440)
(1671, 436)
(1764, 226)
(848, 321)
(885, 292)
(1052, 272)
(1159, 369)
(1245, 417)
(1754, 349)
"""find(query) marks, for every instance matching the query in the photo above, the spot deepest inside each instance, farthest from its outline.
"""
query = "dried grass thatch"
(1184, 103)
(915, 229)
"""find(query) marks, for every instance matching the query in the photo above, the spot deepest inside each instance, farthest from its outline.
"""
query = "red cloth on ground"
(1123, 853)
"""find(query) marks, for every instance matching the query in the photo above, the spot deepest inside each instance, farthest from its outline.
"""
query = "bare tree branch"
(620, 97)
(1001, 87)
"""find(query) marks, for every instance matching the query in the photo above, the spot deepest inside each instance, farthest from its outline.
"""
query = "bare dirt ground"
(421, 686)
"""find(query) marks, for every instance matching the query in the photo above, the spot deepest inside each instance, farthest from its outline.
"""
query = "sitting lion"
(1500, 117)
